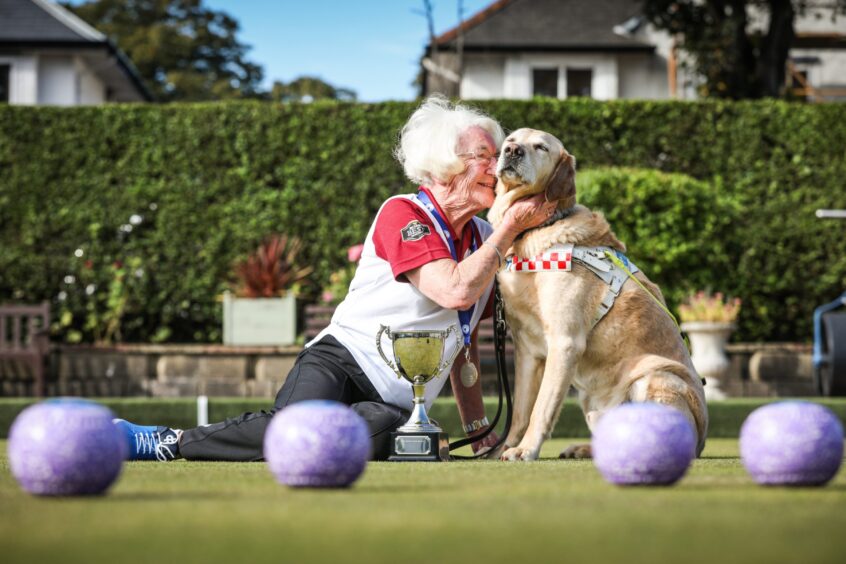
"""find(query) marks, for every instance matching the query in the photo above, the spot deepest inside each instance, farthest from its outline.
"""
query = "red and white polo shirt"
(404, 236)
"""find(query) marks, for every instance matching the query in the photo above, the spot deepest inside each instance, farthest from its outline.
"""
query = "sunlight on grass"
(203, 512)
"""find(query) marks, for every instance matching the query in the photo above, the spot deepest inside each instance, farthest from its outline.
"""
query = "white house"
(50, 56)
(603, 49)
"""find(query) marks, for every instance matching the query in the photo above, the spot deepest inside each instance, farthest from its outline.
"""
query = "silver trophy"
(419, 358)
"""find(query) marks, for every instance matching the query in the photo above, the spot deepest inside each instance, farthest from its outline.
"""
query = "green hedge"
(726, 417)
(670, 222)
(210, 180)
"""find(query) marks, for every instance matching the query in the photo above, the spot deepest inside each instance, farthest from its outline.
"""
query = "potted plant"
(263, 310)
(709, 320)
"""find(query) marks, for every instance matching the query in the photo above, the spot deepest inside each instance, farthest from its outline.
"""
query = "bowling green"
(547, 511)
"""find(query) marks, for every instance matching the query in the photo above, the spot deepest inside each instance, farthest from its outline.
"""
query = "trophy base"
(421, 446)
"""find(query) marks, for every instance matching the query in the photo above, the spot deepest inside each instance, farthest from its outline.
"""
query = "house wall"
(829, 71)
(643, 76)
(484, 77)
(510, 76)
(687, 81)
(626, 75)
(91, 89)
(52, 80)
(635, 75)
(438, 83)
(23, 79)
(57, 81)
(518, 73)
(825, 70)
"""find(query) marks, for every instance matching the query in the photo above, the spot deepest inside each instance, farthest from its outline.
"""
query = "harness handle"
(621, 265)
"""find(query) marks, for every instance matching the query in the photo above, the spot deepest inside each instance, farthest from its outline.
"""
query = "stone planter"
(259, 321)
(708, 340)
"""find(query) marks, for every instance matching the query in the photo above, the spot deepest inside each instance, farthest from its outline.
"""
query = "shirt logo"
(415, 231)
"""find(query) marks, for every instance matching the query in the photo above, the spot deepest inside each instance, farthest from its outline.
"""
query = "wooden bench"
(317, 317)
(24, 341)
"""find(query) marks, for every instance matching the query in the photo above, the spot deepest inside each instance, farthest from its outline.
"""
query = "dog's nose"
(513, 151)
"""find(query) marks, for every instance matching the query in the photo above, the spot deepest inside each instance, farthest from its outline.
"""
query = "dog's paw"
(518, 453)
(576, 451)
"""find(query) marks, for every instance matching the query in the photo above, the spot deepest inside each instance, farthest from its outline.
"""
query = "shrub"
(209, 180)
(674, 226)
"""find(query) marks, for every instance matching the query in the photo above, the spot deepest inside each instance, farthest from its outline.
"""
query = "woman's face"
(475, 185)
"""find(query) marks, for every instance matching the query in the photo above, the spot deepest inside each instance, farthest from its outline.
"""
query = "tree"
(737, 56)
(308, 88)
(183, 50)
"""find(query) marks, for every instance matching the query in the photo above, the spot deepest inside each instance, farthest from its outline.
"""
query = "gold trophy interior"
(419, 358)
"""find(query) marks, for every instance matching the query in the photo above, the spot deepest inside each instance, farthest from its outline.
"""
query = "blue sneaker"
(145, 442)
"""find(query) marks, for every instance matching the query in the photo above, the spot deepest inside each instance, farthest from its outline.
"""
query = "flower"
(703, 306)
(339, 281)
(354, 252)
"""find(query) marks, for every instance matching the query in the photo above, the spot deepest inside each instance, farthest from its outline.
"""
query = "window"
(578, 82)
(545, 82)
(4, 83)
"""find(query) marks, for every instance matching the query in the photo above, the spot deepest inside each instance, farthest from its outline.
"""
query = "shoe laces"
(163, 450)
(147, 443)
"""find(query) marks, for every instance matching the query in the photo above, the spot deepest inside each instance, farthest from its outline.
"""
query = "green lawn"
(546, 511)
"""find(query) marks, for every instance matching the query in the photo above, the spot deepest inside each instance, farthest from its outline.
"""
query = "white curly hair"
(429, 140)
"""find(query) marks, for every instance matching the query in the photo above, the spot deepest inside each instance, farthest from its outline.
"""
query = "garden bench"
(25, 342)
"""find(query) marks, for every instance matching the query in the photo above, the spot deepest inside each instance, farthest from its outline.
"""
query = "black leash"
(500, 330)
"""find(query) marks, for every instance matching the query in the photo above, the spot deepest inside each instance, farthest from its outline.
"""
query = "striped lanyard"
(464, 316)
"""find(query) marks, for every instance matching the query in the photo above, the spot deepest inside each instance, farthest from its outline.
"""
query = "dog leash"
(500, 329)
(619, 264)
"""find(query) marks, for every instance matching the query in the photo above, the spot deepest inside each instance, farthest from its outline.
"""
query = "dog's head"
(538, 161)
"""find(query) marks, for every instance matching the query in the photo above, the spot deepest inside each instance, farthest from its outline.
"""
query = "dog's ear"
(562, 183)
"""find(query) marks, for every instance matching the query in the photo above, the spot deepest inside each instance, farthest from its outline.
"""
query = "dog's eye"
(541, 147)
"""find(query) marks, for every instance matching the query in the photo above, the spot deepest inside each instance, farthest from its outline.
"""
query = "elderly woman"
(428, 263)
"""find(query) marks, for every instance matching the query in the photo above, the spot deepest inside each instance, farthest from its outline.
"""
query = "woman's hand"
(529, 212)
(485, 444)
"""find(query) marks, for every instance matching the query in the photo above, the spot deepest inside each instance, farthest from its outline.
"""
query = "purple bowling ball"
(318, 444)
(792, 443)
(65, 447)
(643, 444)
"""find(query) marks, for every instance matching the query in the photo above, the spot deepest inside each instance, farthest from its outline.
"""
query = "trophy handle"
(391, 365)
(446, 363)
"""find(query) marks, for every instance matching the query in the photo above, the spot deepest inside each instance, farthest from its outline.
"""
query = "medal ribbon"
(464, 316)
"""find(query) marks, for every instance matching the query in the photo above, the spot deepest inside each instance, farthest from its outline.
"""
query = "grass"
(547, 511)
(725, 416)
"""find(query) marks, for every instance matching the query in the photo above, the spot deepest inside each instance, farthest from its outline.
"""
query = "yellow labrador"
(569, 326)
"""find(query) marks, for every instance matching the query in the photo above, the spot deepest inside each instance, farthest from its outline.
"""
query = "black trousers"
(326, 370)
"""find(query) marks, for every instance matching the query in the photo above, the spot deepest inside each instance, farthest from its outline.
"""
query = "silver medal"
(468, 373)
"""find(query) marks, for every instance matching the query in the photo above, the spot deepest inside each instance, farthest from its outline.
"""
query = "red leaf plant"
(270, 271)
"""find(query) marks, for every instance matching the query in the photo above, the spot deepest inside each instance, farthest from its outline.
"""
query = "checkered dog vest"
(560, 257)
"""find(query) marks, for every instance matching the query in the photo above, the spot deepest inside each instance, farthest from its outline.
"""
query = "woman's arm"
(458, 285)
